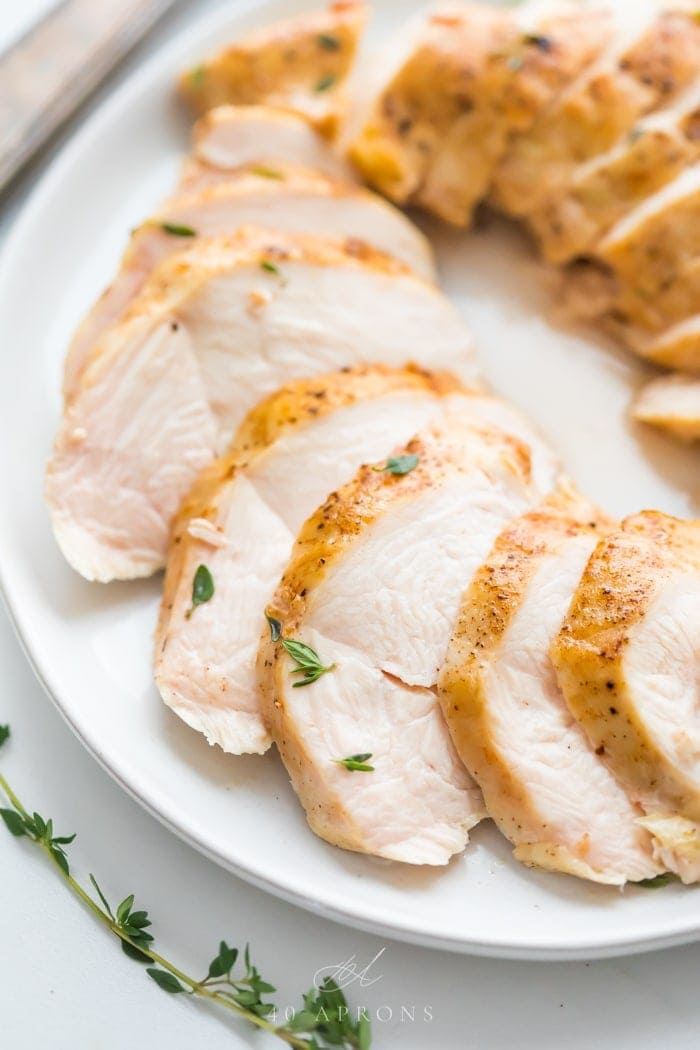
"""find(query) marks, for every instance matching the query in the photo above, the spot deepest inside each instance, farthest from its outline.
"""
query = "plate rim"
(682, 931)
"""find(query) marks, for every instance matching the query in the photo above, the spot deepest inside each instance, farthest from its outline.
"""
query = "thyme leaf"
(202, 589)
(328, 42)
(307, 660)
(197, 76)
(356, 763)
(325, 83)
(656, 882)
(399, 465)
(178, 229)
(275, 627)
(267, 173)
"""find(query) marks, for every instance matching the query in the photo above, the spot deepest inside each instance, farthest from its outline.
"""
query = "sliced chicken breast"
(671, 403)
(652, 58)
(370, 595)
(676, 347)
(603, 190)
(259, 138)
(542, 782)
(302, 201)
(651, 259)
(241, 518)
(628, 662)
(242, 515)
(216, 328)
(299, 64)
(456, 84)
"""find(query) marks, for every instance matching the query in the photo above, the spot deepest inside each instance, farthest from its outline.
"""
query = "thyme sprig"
(324, 1021)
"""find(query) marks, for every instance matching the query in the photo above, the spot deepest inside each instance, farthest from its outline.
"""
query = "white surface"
(62, 984)
(93, 642)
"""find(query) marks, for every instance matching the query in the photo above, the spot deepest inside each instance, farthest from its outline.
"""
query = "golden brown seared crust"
(312, 398)
(572, 222)
(348, 512)
(487, 609)
(181, 274)
(289, 178)
(618, 586)
(289, 408)
(153, 240)
(676, 347)
(300, 63)
(288, 181)
(671, 403)
(652, 267)
(473, 77)
(589, 120)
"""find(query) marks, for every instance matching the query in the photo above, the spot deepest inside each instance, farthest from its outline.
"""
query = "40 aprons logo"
(351, 973)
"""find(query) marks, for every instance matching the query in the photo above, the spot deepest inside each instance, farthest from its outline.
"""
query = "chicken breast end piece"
(260, 139)
(628, 662)
(671, 403)
(299, 64)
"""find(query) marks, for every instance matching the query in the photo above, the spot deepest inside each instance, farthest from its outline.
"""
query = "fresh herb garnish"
(267, 173)
(324, 1020)
(635, 135)
(197, 76)
(177, 230)
(399, 465)
(19, 824)
(4, 734)
(328, 42)
(325, 83)
(202, 589)
(514, 62)
(356, 763)
(657, 882)
(269, 266)
(275, 628)
(308, 662)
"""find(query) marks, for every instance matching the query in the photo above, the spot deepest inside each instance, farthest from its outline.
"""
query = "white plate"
(90, 644)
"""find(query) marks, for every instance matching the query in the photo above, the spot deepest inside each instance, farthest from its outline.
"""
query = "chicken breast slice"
(455, 84)
(241, 518)
(542, 782)
(300, 64)
(671, 403)
(302, 201)
(259, 138)
(652, 58)
(216, 328)
(644, 276)
(605, 188)
(628, 662)
(242, 515)
(678, 346)
(372, 588)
